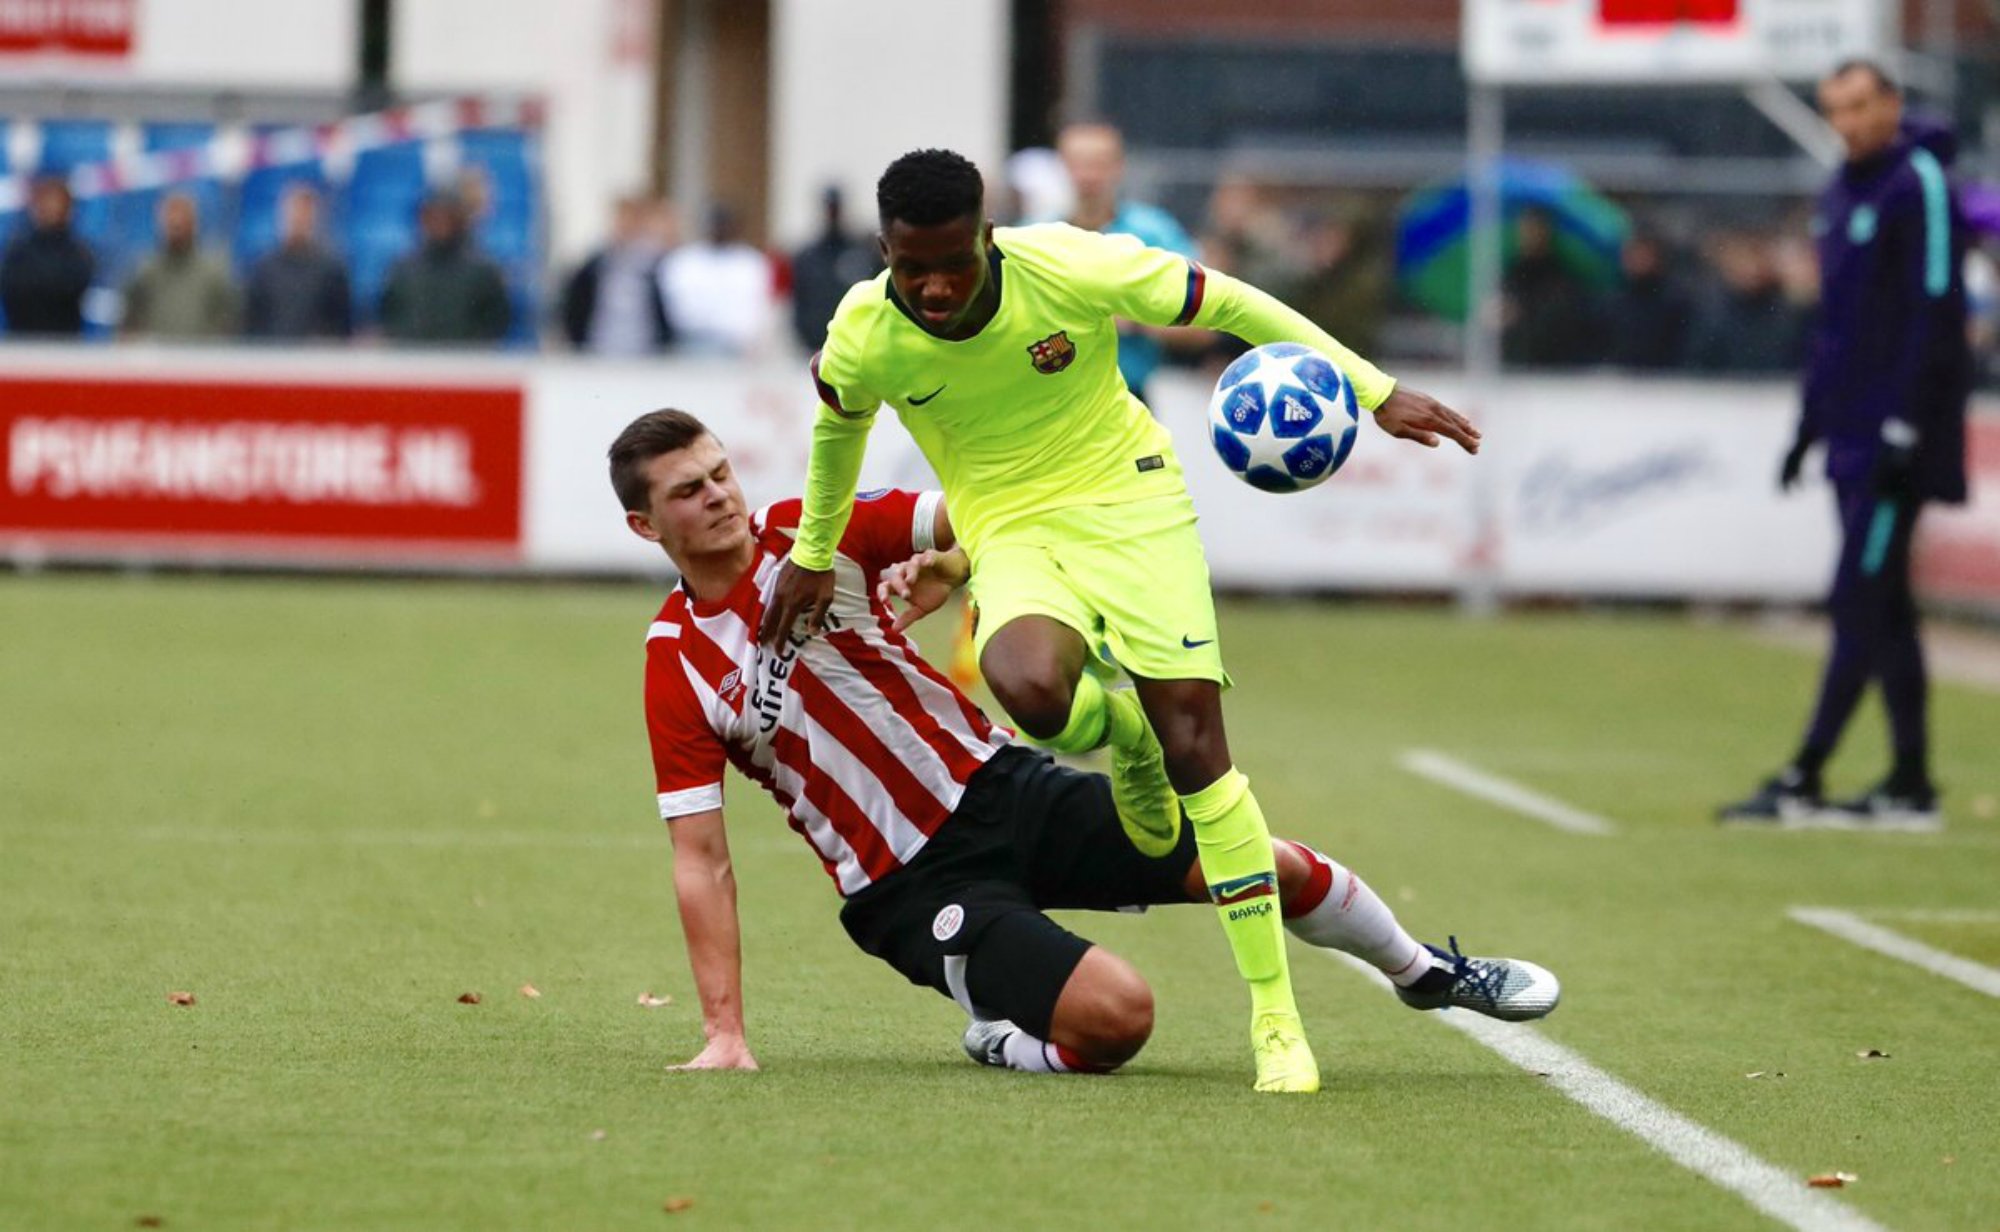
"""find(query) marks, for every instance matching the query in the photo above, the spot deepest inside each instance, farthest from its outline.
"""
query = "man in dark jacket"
(298, 290)
(1652, 314)
(1888, 375)
(823, 270)
(446, 291)
(612, 304)
(46, 270)
(1548, 318)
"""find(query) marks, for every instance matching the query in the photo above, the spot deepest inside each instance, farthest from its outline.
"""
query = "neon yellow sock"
(1090, 721)
(1242, 875)
(1124, 721)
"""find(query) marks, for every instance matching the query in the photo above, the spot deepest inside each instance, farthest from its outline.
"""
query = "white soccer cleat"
(1504, 988)
(986, 1040)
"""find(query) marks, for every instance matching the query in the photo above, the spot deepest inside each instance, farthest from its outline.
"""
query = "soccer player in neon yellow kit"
(999, 352)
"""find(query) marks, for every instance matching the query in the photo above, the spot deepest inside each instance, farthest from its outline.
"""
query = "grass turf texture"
(329, 808)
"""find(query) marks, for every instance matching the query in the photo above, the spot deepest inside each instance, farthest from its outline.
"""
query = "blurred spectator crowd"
(398, 258)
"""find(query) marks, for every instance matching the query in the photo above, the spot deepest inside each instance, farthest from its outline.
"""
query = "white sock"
(1337, 911)
(1030, 1055)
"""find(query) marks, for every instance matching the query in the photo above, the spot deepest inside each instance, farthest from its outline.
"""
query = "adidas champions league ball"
(1283, 417)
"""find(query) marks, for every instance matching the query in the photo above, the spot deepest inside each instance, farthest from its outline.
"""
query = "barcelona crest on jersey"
(1053, 353)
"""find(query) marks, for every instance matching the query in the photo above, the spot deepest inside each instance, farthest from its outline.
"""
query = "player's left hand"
(1416, 416)
(799, 592)
(923, 583)
(723, 1052)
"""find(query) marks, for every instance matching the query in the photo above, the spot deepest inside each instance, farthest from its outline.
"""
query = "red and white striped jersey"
(866, 746)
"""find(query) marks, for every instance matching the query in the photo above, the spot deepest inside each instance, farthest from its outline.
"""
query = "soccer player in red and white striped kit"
(946, 840)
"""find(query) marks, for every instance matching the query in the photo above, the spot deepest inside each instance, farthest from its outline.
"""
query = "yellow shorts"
(1130, 578)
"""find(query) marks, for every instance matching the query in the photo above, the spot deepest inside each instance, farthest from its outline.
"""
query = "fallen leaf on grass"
(531, 992)
(150, 1221)
(468, 998)
(598, 1135)
(1266, 1207)
(674, 1206)
(652, 1002)
(1949, 1160)
(1832, 1180)
(1872, 1054)
(181, 998)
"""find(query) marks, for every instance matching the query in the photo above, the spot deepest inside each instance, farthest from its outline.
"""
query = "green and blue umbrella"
(1434, 233)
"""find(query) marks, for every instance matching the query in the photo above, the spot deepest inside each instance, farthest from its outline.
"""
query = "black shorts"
(965, 917)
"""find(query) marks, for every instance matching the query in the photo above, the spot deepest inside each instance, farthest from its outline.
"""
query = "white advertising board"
(1595, 486)
(1667, 42)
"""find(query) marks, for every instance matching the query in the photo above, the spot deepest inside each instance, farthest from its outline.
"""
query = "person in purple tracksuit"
(1887, 377)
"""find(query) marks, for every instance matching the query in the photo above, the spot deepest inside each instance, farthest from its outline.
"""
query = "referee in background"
(1886, 383)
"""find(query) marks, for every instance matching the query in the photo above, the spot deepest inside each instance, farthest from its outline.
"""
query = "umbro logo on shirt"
(731, 691)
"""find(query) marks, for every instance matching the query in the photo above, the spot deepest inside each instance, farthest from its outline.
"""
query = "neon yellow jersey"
(1029, 414)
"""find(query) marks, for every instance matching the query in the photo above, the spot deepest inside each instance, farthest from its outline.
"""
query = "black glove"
(1795, 460)
(1895, 473)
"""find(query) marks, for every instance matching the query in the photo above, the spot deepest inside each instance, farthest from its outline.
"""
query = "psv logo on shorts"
(948, 922)
(1053, 353)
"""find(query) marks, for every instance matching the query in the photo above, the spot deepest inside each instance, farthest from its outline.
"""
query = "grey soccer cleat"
(1503, 988)
(986, 1040)
(1788, 797)
(1886, 807)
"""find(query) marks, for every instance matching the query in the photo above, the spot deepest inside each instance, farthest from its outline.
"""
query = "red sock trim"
(1076, 1064)
(1318, 883)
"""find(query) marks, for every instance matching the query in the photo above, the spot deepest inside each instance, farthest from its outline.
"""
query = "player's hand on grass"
(923, 583)
(723, 1052)
(1416, 416)
(800, 592)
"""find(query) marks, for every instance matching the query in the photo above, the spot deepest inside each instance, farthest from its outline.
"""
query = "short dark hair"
(928, 187)
(1862, 64)
(645, 438)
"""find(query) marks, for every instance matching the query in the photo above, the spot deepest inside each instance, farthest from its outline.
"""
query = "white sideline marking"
(1852, 928)
(1942, 915)
(1455, 774)
(1728, 1164)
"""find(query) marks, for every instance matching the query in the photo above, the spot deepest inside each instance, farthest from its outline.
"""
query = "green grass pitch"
(327, 809)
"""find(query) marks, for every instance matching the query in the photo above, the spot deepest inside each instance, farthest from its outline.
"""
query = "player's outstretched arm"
(1258, 317)
(705, 887)
(1160, 288)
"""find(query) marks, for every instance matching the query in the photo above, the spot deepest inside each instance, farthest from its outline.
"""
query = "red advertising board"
(1958, 548)
(262, 470)
(71, 27)
(1618, 14)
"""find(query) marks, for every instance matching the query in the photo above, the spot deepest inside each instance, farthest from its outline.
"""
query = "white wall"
(579, 56)
(856, 83)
